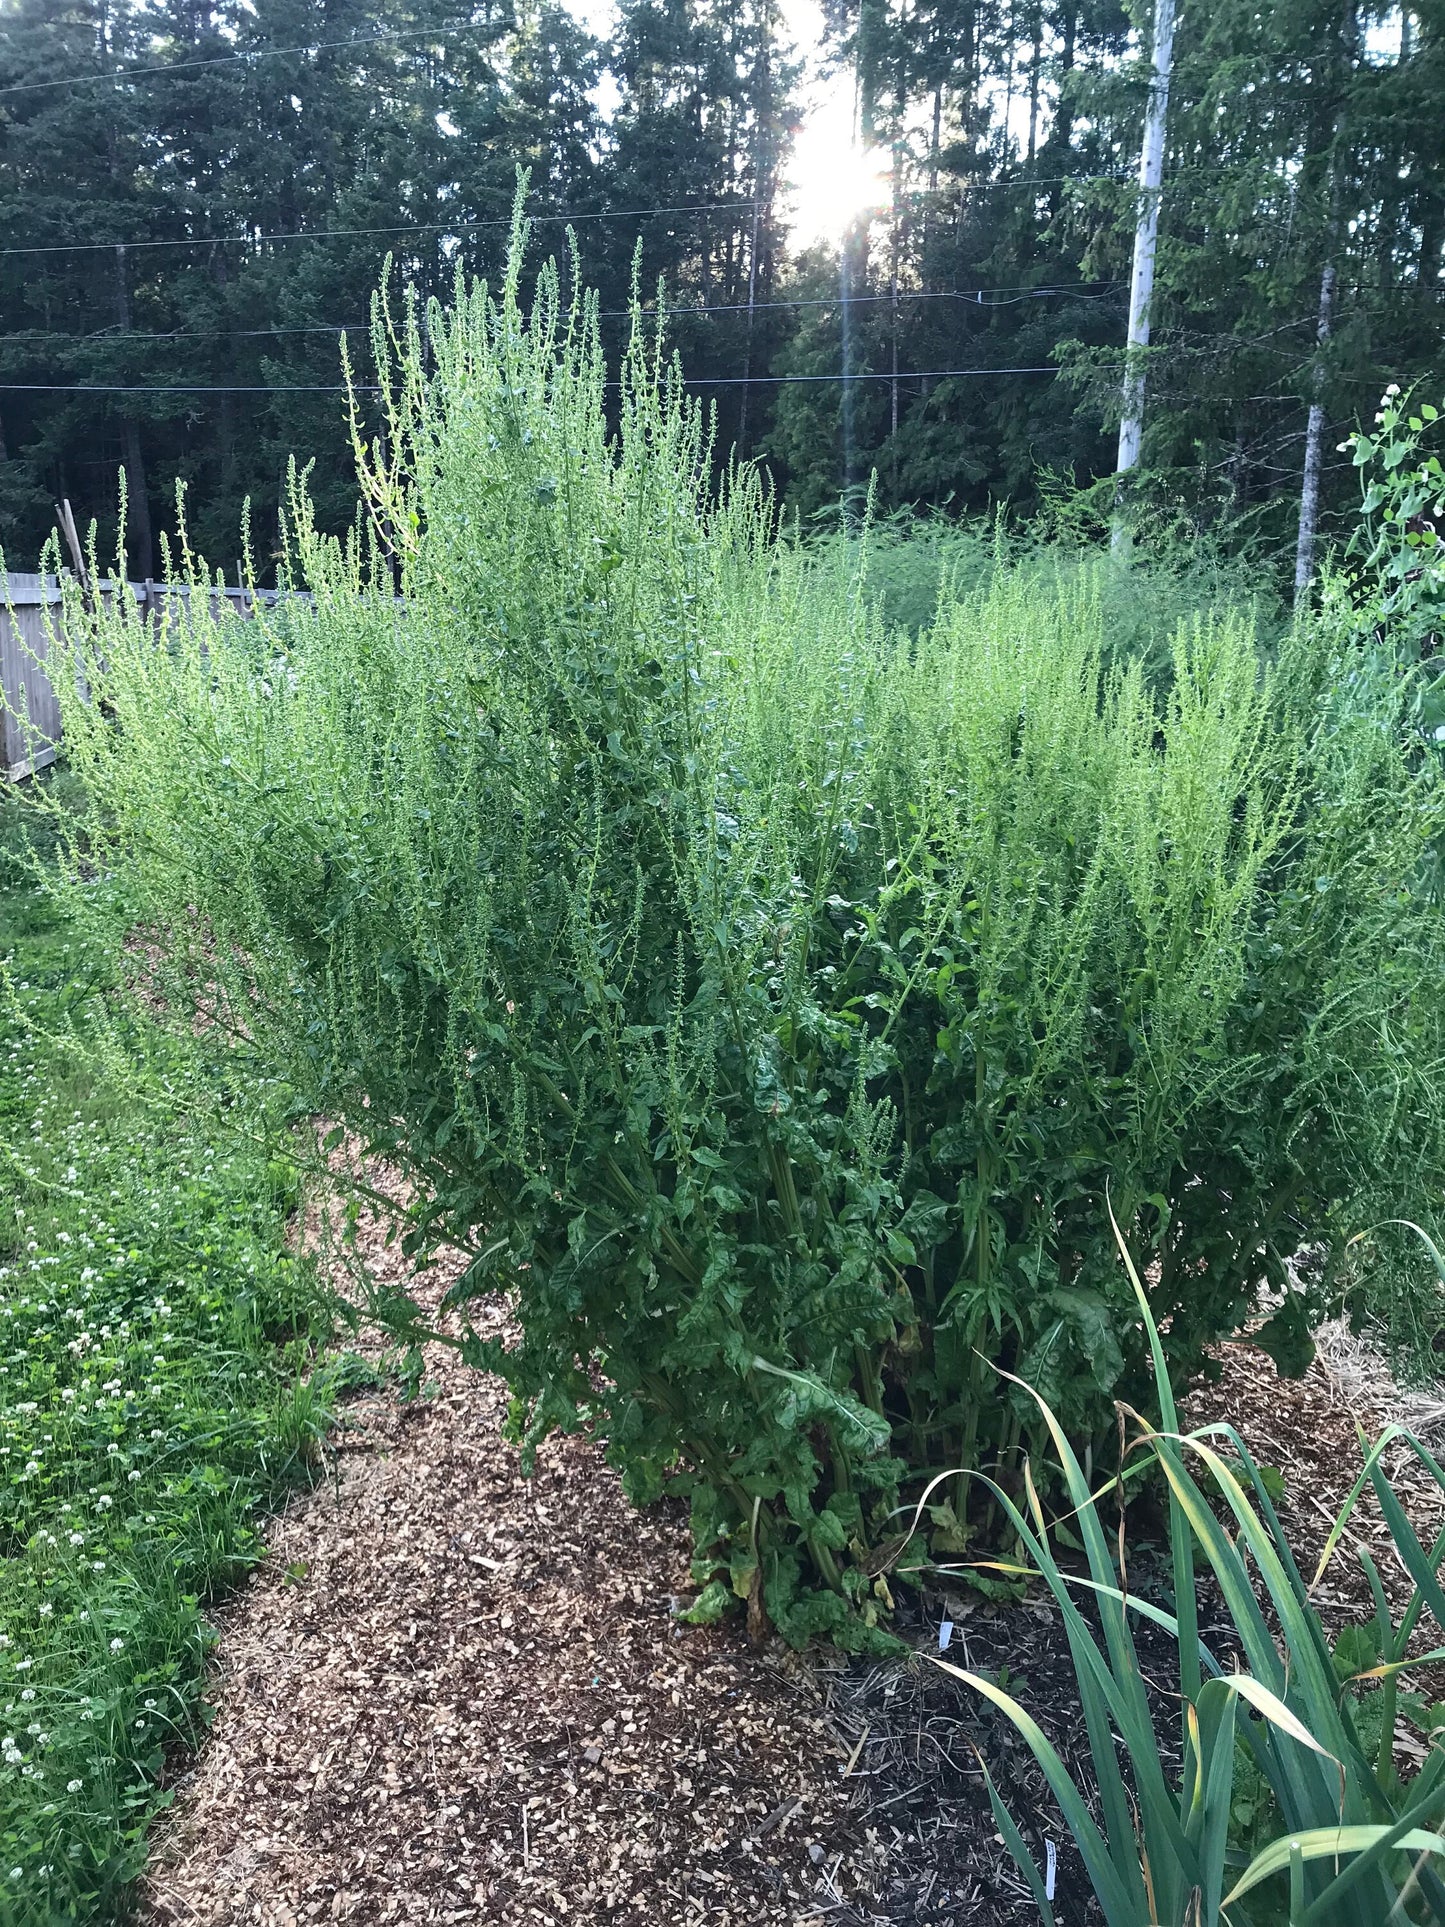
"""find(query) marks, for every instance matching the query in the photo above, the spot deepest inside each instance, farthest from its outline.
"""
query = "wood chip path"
(455, 1694)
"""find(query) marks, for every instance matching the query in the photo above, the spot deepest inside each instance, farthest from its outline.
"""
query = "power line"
(983, 297)
(498, 221)
(338, 388)
(229, 60)
(353, 233)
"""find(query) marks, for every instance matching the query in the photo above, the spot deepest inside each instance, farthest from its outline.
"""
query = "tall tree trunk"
(1146, 237)
(1035, 61)
(1309, 500)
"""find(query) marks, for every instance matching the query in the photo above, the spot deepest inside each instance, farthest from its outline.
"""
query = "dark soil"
(921, 1731)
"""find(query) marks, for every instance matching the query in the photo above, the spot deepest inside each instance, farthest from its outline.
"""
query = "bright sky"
(828, 179)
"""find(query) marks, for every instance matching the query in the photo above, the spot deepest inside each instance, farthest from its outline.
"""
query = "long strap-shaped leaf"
(1330, 1843)
(1109, 1707)
(1113, 1692)
(1181, 1541)
(1121, 1906)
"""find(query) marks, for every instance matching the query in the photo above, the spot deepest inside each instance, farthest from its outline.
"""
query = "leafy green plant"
(765, 996)
(1294, 1749)
(1400, 543)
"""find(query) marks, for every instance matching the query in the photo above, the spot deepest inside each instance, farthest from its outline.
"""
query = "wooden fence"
(29, 711)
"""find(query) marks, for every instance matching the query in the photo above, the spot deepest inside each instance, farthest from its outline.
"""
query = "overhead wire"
(982, 297)
(363, 388)
(491, 221)
(243, 54)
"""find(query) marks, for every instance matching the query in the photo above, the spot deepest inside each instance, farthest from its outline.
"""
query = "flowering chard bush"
(764, 998)
(153, 1333)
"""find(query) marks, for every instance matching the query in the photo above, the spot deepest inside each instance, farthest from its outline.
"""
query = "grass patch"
(156, 1337)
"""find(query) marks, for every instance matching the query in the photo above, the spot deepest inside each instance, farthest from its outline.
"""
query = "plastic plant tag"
(1051, 1868)
(945, 1634)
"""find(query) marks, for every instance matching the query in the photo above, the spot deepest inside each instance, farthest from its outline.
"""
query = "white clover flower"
(28, 1694)
(74, 1786)
(46, 1609)
(77, 1538)
(117, 1645)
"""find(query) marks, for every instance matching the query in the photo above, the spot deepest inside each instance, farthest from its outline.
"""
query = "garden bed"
(455, 1694)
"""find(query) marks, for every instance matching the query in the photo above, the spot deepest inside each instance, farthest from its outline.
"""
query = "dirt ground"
(456, 1694)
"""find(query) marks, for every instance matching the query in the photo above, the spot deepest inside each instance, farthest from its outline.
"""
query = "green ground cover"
(155, 1339)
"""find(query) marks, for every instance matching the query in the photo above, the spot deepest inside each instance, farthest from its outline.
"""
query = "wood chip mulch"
(456, 1694)
(1308, 1429)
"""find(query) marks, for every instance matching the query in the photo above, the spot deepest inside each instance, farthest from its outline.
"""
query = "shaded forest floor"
(456, 1694)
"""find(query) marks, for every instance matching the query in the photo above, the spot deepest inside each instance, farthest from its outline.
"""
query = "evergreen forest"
(196, 199)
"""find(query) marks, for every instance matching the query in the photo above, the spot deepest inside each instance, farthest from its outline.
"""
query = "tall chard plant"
(763, 998)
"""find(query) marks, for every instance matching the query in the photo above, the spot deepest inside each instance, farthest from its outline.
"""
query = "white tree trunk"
(1309, 500)
(1146, 235)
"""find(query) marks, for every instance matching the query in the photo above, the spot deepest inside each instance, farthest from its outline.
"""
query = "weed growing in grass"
(155, 1340)
(765, 995)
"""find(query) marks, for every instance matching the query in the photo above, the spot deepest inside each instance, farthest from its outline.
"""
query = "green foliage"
(154, 1336)
(1402, 567)
(1289, 1755)
(766, 996)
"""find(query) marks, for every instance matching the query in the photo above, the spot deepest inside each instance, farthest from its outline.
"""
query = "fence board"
(29, 712)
